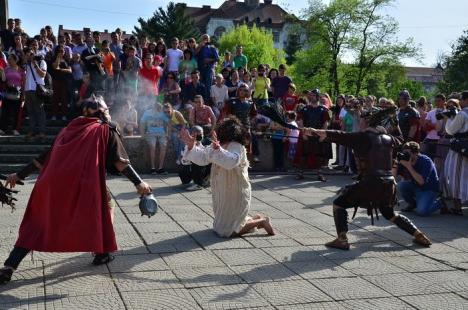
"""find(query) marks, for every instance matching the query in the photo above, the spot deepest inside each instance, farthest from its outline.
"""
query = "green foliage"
(258, 45)
(456, 67)
(293, 44)
(358, 31)
(168, 24)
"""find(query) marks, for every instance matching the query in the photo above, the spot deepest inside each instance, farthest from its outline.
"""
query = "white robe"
(230, 185)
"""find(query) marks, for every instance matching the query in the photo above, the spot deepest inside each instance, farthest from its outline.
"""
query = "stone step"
(48, 131)
(23, 148)
(17, 158)
(12, 140)
(10, 168)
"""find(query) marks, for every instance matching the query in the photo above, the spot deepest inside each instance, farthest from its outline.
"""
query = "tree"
(331, 25)
(374, 40)
(456, 67)
(257, 43)
(168, 24)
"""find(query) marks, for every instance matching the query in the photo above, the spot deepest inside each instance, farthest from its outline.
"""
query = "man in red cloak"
(69, 209)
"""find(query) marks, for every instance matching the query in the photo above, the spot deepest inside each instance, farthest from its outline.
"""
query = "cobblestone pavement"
(174, 260)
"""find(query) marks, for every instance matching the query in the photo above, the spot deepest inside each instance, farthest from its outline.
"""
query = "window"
(276, 36)
(219, 32)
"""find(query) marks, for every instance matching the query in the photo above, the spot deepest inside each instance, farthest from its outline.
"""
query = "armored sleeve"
(115, 148)
(354, 140)
(32, 167)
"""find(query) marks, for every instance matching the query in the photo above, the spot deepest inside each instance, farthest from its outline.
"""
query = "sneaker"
(177, 162)
(321, 178)
(16, 132)
(161, 171)
(256, 159)
(153, 171)
(64, 118)
(194, 187)
(53, 118)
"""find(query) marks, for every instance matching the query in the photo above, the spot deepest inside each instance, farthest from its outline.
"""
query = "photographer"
(422, 188)
(36, 70)
(456, 163)
(190, 171)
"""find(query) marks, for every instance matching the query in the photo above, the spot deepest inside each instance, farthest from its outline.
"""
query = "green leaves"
(456, 67)
(168, 23)
(258, 45)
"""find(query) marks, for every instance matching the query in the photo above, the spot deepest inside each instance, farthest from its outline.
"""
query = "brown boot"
(421, 239)
(340, 243)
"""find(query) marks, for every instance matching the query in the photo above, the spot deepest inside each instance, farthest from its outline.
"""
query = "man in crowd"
(116, 48)
(280, 84)
(173, 57)
(80, 46)
(193, 89)
(207, 56)
(93, 64)
(240, 60)
(69, 209)
(373, 150)
(408, 117)
(242, 107)
(421, 190)
(8, 35)
(36, 70)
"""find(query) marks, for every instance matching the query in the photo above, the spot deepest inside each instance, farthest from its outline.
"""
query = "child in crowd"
(290, 99)
(292, 135)
(278, 146)
(227, 62)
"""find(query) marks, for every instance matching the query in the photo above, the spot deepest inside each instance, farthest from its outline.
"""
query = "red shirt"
(149, 80)
(290, 102)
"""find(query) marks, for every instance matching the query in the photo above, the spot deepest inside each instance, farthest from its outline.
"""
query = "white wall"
(215, 23)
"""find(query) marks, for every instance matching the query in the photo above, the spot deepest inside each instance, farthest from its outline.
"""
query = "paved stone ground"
(175, 261)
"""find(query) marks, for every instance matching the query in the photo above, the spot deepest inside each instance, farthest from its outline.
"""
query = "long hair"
(231, 129)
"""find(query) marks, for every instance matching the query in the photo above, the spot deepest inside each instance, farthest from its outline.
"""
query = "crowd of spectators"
(154, 89)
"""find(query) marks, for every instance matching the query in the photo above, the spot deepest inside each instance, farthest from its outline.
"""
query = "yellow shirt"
(261, 88)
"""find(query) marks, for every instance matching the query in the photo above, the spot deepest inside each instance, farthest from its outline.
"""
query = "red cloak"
(68, 209)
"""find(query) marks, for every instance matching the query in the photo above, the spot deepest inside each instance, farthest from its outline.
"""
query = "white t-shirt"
(294, 133)
(220, 94)
(342, 113)
(431, 117)
(30, 84)
(174, 57)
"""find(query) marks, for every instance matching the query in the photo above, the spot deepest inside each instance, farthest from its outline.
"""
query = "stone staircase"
(17, 151)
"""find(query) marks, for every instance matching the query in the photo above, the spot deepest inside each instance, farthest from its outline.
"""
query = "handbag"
(42, 92)
(12, 93)
(459, 144)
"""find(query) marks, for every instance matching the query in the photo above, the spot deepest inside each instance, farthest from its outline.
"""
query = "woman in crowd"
(247, 79)
(61, 76)
(233, 83)
(186, 67)
(456, 165)
(272, 74)
(176, 123)
(13, 76)
(171, 90)
(336, 124)
(230, 185)
(260, 85)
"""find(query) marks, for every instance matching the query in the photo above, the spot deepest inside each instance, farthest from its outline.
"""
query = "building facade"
(250, 12)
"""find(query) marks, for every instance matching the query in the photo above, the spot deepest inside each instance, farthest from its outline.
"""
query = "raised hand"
(214, 141)
(187, 138)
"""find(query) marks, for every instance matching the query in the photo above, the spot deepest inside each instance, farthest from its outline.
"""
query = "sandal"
(101, 259)
(5, 275)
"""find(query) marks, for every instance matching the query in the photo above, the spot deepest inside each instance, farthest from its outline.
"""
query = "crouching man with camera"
(420, 189)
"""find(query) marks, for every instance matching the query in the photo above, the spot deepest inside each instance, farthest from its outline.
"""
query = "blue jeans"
(177, 143)
(426, 201)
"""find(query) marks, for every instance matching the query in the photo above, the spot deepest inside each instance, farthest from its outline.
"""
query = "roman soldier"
(376, 186)
(69, 209)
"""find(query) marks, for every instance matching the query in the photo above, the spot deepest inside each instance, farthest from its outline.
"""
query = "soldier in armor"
(376, 187)
(70, 207)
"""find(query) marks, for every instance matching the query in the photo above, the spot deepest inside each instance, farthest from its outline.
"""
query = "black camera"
(38, 58)
(403, 155)
(450, 112)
